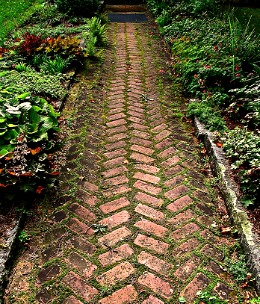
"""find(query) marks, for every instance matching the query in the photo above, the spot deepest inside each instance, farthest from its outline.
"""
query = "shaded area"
(124, 18)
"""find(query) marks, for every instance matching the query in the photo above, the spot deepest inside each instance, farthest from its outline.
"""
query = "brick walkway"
(136, 220)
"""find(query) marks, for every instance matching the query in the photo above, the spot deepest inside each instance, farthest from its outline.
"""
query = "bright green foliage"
(256, 300)
(238, 268)
(208, 298)
(86, 8)
(243, 148)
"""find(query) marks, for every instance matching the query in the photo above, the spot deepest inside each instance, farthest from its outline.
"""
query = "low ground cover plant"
(216, 59)
(33, 77)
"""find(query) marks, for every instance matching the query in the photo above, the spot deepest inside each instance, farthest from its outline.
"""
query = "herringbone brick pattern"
(141, 226)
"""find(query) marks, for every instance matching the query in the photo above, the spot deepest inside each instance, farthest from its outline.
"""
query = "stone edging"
(7, 251)
(228, 187)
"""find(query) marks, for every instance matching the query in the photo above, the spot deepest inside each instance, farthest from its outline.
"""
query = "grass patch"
(13, 13)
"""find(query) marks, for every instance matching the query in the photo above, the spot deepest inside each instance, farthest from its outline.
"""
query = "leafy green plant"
(23, 237)
(54, 66)
(98, 30)
(208, 298)
(21, 67)
(256, 300)
(242, 147)
(238, 268)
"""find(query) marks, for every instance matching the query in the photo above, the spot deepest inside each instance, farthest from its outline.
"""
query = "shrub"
(86, 8)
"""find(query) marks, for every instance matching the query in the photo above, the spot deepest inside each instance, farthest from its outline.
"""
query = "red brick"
(170, 161)
(114, 181)
(82, 245)
(200, 282)
(115, 111)
(79, 286)
(174, 181)
(162, 135)
(154, 263)
(115, 116)
(185, 231)
(119, 129)
(114, 162)
(136, 119)
(79, 227)
(159, 128)
(135, 114)
(81, 264)
(72, 300)
(175, 192)
(116, 190)
(222, 290)
(141, 134)
(137, 108)
(152, 300)
(208, 235)
(148, 199)
(117, 137)
(141, 142)
(90, 187)
(186, 269)
(173, 171)
(186, 247)
(182, 217)
(115, 145)
(151, 244)
(141, 158)
(149, 212)
(205, 220)
(114, 171)
(180, 203)
(91, 200)
(116, 219)
(114, 205)
(115, 153)
(167, 152)
(143, 150)
(116, 274)
(115, 255)
(124, 295)
(156, 284)
(147, 168)
(147, 178)
(151, 227)
(164, 144)
(116, 123)
(82, 212)
(212, 252)
(112, 238)
(138, 126)
(147, 187)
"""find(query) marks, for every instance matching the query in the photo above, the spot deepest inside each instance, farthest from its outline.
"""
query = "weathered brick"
(125, 295)
(164, 144)
(151, 244)
(149, 212)
(186, 269)
(91, 200)
(170, 162)
(136, 119)
(116, 145)
(116, 116)
(142, 158)
(141, 142)
(114, 171)
(222, 290)
(147, 187)
(138, 126)
(79, 227)
(82, 245)
(174, 181)
(117, 180)
(135, 114)
(82, 212)
(79, 286)
(147, 168)
(179, 204)
(72, 300)
(148, 199)
(112, 238)
(176, 192)
(48, 273)
(141, 134)
(115, 153)
(185, 231)
(116, 123)
(147, 177)
(114, 205)
(186, 247)
(90, 187)
(116, 190)
(200, 282)
(116, 137)
(154, 263)
(85, 267)
(156, 284)
(212, 252)
(116, 274)
(173, 171)
(116, 219)
(141, 149)
(162, 135)
(182, 217)
(114, 162)
(159, 128)
(152, 300)
(115, 255)
(151, 227)
(119, 129)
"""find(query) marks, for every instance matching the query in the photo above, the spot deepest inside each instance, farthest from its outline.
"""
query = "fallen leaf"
(12, 173)
(225, 230)
(219, 144)
(54, 173)
(26, 174)
(35, 151)
(39, 189)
